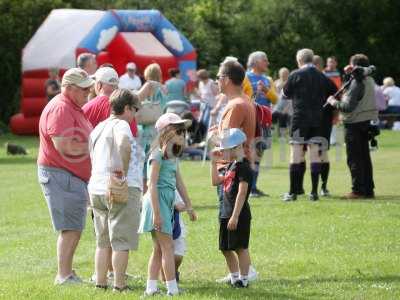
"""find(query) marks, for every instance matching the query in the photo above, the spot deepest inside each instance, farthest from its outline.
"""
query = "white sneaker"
(252, 276)
(71, 279)
(226, 279)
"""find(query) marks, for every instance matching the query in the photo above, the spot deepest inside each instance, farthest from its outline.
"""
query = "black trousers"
(358, 158)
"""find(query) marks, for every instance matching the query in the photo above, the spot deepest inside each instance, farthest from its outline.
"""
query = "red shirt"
(98, 109)
(63, 118)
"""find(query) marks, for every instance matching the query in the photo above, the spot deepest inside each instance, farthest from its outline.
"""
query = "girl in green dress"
(157, 210)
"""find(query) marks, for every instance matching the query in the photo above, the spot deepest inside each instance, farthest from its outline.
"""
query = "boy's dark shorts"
(237, 239)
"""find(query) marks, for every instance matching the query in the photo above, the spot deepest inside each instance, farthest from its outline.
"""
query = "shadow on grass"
(283, 288)
(261, 291)
(12, 160)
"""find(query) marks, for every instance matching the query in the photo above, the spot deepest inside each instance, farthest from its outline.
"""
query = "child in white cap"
(158, 202)
(234, 215)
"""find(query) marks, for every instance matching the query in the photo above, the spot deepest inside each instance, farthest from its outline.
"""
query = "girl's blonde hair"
(153, 72)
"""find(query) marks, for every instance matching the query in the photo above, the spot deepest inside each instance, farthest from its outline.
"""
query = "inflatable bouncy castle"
(114, 36)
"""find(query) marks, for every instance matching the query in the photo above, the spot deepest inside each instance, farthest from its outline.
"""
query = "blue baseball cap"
(231, 138)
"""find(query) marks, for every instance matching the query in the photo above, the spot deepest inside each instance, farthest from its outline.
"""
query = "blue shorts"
(66, 196)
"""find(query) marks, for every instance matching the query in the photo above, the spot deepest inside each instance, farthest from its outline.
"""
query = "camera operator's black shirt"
(308, 89)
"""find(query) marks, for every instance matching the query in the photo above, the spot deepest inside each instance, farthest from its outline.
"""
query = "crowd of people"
(113, 144)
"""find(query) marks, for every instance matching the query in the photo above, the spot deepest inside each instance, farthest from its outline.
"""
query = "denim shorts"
(66, 196)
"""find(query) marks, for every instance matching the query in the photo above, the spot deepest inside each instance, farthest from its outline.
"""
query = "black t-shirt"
(309, 89)
(235, 173)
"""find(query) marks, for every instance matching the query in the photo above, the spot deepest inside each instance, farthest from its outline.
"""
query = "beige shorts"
(116, 225)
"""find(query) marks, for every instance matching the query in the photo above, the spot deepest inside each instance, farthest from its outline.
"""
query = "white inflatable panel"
(54, 43)
(145, 43)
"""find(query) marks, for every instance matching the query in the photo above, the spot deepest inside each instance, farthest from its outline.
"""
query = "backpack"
(263, 127)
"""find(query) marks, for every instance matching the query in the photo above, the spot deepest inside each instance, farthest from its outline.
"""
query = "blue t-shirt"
(176, 89)
(260, 97)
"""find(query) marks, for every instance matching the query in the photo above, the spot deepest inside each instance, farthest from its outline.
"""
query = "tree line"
(218, 28)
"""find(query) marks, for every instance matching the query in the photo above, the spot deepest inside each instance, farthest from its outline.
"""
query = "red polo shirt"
(63, 118)
(98, 109)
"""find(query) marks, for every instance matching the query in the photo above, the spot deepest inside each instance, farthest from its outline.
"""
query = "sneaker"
(254, 195)
(325, 192)
(157, 292)
(180, 292)
(71, 279)
(261, 193)
(313, 197)
(289, 197)
(226, 279)
(252, 276)
(239, 284)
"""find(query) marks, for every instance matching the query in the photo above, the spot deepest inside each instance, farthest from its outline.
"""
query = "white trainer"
(252, 276)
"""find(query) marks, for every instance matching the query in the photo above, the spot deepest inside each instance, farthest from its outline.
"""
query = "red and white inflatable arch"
(114, 36)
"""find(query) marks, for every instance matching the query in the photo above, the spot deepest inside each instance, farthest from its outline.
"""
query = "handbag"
(149, 113)
(151, 109)
(117, 187)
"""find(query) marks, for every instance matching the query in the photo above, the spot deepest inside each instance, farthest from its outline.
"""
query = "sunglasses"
(218, 77)
(180, 131)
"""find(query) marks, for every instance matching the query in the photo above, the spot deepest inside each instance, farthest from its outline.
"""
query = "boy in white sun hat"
(234, 214)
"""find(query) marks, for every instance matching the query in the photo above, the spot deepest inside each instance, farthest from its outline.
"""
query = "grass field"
(331, 249)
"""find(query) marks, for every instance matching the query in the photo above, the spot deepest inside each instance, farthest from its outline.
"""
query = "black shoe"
(101, 287)
(313, 197)
(261, 193)
(239, 284)
(289, 197)
(325, 192)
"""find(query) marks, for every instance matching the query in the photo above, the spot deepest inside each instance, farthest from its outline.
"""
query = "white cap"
(106, 75)
(131, 66)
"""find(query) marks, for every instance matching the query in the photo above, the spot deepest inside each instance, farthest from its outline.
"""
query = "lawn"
(330, 249)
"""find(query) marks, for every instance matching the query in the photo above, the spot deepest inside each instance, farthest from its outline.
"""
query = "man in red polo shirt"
(98, 109)
(64, 166)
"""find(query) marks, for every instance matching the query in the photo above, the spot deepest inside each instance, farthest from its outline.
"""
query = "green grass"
(331, 249)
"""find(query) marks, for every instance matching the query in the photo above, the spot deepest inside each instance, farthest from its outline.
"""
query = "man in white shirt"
(130, 80)
(392, 95)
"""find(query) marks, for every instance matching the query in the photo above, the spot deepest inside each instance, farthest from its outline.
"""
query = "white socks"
(151, 287)
(234, 277)
(172, 287)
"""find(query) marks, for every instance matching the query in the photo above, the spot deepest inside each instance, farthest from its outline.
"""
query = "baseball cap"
(231, 138)
(107, 75)
(78, 77)
(171, 118)
(131, 66)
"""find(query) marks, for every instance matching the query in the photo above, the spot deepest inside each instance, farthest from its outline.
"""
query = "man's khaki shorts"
(116, 225)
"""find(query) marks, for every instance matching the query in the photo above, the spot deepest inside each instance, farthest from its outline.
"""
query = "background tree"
(218, 28)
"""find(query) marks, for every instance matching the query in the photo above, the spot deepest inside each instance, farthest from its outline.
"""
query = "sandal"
(122, 289)
(100, 286)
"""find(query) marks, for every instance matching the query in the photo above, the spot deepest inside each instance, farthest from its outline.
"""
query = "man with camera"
(359, 108)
